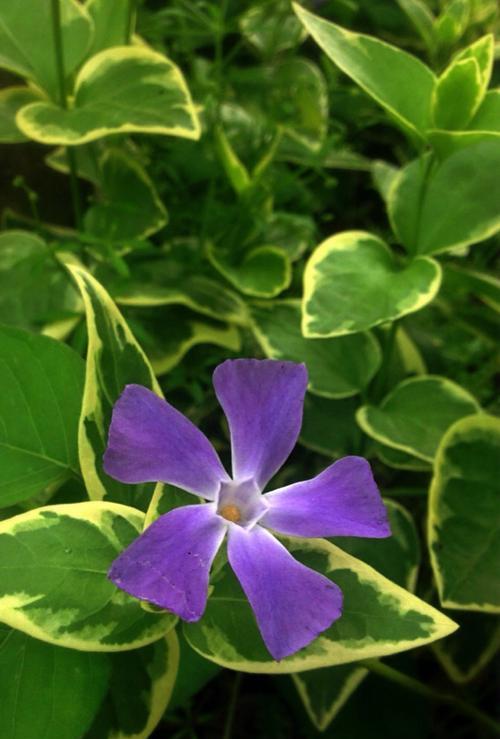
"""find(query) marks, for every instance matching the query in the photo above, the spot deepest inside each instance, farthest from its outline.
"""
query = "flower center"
(231, 513)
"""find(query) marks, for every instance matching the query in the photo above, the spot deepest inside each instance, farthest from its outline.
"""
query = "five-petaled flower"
(169, 564)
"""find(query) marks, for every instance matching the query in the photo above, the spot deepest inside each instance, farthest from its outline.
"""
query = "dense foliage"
(191, 181)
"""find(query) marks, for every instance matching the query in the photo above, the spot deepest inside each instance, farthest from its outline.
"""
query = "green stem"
(231, 710)
(380, 382)
(389, 673)
(129, 28)
(63, 99)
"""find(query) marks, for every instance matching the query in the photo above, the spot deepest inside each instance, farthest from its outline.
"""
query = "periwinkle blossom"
(169, 564)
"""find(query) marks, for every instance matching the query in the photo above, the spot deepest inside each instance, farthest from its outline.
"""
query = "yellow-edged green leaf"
(482, 51)
(467, 652)
(27, 49)
(42, 384)
(435, 208)
(401, 460)
(139, 692)
(345, 277)
(337, 367)
(125, 89)
(168, 333)
(379, 618)
(53, 579)
(464, 515)
(114, 359)
(415, 415)
(263, 272)
(452, 22)
(34, 289)
(325, 691)
(12, 99)
(62, 687)
(457, 94)
(128, 205)
(401, 83)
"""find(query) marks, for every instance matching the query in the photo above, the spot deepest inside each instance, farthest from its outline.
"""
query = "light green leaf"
(42, 383)
(47, 691)
(114, 359)
(12, 99)
(34, 289)
(27, 48)
(421, 18)
(379, 618)
(487, 117)
(234, 168)
(337, 367)
(329, 426)
(401, 83)
(110, 24)
(262, 272)
(457, 94)
(53, 580)
(383, 175)
(452, 23)
(128, 205)
(482, 51)
(415, 415)
(125, 89)
(347, 274)
(142, 681)
(467, 652)
(464, 515)
(167, 334)
(325, 691)
(451, 204)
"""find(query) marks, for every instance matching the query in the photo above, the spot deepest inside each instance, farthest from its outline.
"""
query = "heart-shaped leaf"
(12, 99)
(120, 90)
(464, 515)
(262, 272)
(346, 277)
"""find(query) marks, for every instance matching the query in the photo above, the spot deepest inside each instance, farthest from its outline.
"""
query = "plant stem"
(61, 77)
(417, 687)
(379, 385)
(228, 728)
(129, 28)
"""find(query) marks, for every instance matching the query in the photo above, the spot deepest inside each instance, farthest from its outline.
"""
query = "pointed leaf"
(457, 94)
(54, 584)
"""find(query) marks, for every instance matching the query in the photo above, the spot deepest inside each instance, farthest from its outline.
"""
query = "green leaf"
(329, 426)
(110, 24)
(481, 284)
(34, 289)
(337, 367)
(416, 414)
(421, 18)
(487, 117)
(345, 277)
(167, 334)
(401, 83)
(42, 383)
(27, 48)
(126, 89)
(457, 94)
(482, 51)
(291, 232)
(451, 204)
(47, 691)
(325, 691)
(234, 168)
(467, 652)
(139, 692)
(262, 272)
(401, 460)
(272, 32)
(194, 673)
(12, 99)
(452, 22)
(128, 205)
(379, 618)
(114, 359)
(53, 580)
(464, 515)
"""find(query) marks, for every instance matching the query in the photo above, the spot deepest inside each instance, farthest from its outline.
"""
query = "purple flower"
(169, 564)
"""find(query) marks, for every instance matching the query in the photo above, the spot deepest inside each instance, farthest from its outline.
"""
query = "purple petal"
(169, 563)
(292, 604)
(342, 501)
(262, 400)
(150, 441)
